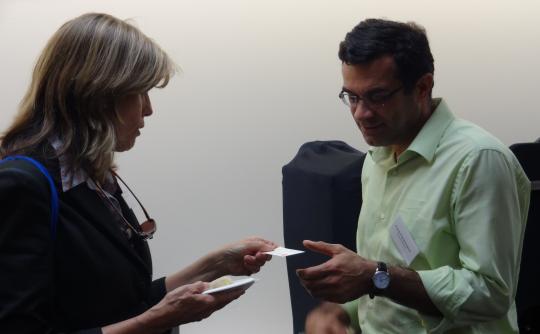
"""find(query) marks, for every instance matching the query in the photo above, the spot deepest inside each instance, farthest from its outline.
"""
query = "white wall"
(259, 79)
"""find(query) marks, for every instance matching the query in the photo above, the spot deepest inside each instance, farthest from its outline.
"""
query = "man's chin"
(371, 141)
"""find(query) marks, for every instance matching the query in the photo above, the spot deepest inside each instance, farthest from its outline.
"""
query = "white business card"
(283, 252)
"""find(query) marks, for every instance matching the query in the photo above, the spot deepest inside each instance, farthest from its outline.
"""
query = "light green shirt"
(464, 198)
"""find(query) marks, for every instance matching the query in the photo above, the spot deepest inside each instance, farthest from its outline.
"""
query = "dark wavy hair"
(406, 43)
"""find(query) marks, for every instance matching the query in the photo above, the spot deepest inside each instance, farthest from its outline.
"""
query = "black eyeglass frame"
(367, 98)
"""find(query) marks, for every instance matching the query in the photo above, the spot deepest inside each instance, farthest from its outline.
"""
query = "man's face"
(385, 115)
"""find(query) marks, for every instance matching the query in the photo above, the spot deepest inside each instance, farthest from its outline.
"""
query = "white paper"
(283, 252)
(238, 282)
(403, 241)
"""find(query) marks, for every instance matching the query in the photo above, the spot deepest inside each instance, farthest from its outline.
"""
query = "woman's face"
(132, 109)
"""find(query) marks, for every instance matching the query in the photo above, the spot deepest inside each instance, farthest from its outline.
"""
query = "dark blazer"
(88, 277)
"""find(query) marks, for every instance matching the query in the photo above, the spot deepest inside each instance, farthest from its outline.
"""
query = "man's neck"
(400, 148)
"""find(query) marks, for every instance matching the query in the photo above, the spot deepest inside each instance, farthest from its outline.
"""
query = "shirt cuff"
(435, 324)
(448, 291)
(158, 290)
(352, 310)
(90, 331)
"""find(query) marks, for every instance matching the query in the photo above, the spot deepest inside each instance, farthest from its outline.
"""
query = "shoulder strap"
(54, 193)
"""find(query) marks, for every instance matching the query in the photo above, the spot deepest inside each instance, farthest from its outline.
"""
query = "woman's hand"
(183, 305)
(244, 257)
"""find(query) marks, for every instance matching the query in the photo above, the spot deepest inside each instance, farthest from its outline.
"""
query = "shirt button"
(382, 216)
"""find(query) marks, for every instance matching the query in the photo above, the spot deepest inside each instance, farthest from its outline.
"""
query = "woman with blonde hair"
(73, 258)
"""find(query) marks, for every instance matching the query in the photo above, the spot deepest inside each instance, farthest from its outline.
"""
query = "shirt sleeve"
(26, 297)
(158, 290)
(351, 308)
(490, 200)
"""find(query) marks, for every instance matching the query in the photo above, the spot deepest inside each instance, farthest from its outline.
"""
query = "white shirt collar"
(79, 176)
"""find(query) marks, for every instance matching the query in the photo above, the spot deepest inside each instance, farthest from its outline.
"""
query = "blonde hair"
(86, 66)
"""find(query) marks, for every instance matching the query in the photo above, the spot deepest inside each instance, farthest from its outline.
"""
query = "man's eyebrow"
(369, 91)
(348, 91)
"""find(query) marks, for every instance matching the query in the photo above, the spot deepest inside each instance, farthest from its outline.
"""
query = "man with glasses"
(445, 204)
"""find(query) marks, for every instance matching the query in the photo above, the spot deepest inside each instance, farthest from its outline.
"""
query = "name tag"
(403, 241)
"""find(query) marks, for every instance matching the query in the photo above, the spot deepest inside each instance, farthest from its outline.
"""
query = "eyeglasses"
(373, 100)
(146, 229)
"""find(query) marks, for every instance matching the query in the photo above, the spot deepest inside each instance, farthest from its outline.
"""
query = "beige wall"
(259, 79)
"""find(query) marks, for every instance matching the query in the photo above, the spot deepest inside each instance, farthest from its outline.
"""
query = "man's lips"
(371, 128)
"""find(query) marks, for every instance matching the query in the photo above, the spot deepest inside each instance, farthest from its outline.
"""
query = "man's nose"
(360, 111)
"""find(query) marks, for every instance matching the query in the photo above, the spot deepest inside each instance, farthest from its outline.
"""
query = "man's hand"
(346, 276)
(327, 318)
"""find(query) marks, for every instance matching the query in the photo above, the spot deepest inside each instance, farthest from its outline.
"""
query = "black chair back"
(528, 292)
(322, 195)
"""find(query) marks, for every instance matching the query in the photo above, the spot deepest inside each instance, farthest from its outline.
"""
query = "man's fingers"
(321, 247)
(325, 290)
(313, 273)
(327, 282)
(327, 294)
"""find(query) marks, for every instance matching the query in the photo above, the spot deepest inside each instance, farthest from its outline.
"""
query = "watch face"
(381, 279)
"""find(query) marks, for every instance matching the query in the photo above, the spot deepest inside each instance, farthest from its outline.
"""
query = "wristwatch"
(380, 279)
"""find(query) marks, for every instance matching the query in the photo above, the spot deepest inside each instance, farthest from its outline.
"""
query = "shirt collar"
(69, 179)
(426, 141)
(72, 179)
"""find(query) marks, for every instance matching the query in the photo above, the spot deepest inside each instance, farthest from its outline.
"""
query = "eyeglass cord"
(104, 196)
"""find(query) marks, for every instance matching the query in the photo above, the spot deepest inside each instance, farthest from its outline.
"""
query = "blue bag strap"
(54, 193)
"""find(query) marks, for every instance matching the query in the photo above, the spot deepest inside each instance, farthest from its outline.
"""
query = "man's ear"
(424, 85)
